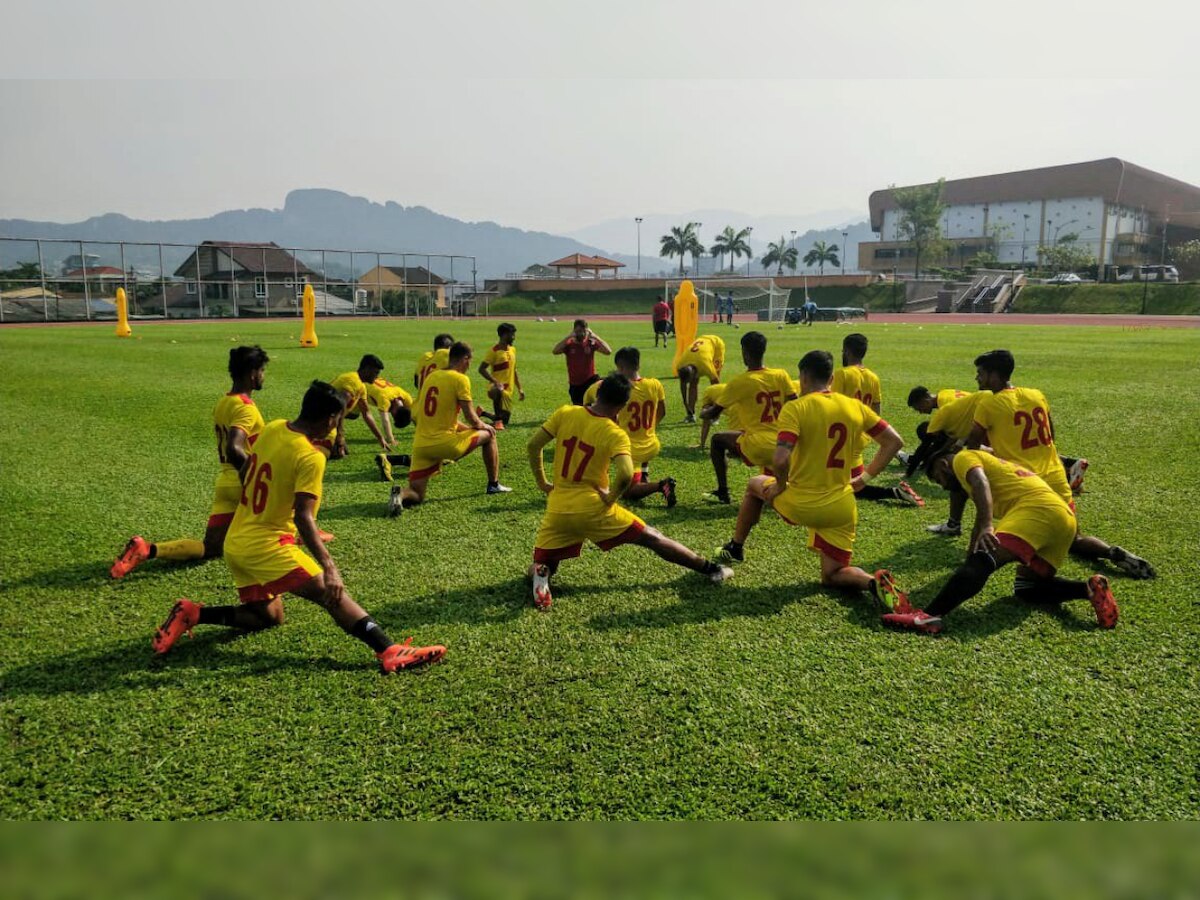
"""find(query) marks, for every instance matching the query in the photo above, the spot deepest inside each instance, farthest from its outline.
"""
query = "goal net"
(759, 296)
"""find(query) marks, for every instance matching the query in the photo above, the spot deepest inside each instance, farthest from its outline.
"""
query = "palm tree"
(780, 254)
(734, 243)
(820, 254)
(680, 242)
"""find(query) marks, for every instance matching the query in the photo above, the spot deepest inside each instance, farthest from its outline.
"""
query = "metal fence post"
(125, 279)
(378, 285)
(296, 283)
(199, 281)
(266, 286)
(87, 300)
(162, 280)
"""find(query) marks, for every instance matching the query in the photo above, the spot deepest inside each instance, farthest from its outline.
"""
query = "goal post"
(760, 296)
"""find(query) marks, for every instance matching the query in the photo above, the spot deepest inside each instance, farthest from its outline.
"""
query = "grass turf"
(646, 692)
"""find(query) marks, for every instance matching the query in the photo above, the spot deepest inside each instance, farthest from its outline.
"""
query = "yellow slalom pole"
(123, 329)
(687, 314)
(308, 337)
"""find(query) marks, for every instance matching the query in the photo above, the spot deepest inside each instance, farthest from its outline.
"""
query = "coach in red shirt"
(580, 347)
(660, 316)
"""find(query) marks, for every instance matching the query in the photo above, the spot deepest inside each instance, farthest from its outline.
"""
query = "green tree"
(820, 254)
(920, 219)
(680, 241)
(780, 255)
(1186, 257)
(1066, 255)
(22, 275)
(733, 242)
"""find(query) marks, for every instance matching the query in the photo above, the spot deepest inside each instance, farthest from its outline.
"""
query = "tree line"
(683, 240)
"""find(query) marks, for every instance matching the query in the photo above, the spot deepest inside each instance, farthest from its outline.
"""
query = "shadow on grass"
(132, 665)
(87, 574)
(972, 622)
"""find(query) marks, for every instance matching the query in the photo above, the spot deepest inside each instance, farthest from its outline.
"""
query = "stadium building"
(1119, 212)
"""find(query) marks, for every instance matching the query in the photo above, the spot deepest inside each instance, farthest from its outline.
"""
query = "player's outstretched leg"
(1052, 590)
(674, 552)
(386, 461)
(138, 550)
(186, 615)
(902, 492)
(540, 574)
(722, 446)
(1091, 547)
(749, 513)
(966, 581)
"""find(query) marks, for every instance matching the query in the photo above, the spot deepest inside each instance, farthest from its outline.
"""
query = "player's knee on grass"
(267, 614)
(758, 485)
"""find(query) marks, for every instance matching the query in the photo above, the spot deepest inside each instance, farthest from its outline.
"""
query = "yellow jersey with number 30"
(858, 382)
(437, 403)
(234, 411)
(282, 464)
(823, 429)
(584, 446)
(639, 417)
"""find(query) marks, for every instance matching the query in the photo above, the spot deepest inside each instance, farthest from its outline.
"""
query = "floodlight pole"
(844, 235)
(638, 221)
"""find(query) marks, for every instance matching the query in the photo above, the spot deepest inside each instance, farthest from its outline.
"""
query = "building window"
(191, 287)
(260, 288)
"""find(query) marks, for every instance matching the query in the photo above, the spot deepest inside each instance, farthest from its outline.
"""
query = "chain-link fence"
(56, 280)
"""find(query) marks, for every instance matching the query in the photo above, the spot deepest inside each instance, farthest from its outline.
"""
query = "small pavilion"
(579, 263)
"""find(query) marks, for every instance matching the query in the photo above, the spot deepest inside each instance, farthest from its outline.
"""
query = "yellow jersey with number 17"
(823, 429)
(584, 446)
(234, 411)
(437, 403)
(283, 463)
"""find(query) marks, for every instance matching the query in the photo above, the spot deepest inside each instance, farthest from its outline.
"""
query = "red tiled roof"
(583, 261)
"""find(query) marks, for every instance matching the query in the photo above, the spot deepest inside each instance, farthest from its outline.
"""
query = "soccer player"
(957, 424)
(855, 380)
(706, 356)
(580, 348)
(660, 316)
(394, 404)
(756, 397)
(236, 421)
(1018, 519)
(431, 360)
(812, 485)
(582, 502)
(712, 398)
(353, 387)
(440, 436)
(279, 499)
(1016, 424)
(638, 418)
(502, 378)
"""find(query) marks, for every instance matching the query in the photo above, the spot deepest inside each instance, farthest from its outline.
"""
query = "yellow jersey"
(1017, 422)
(639, 417)
(430, 361)
(756, 398)
(823, 429)
(712, 397)
(858, 382)
(437, 403)
(956, 417)
(708, 347)
(282, 464)
(503, 364)
(234, 411)
(948, 395)
(584, 446)
(382, 392)
(352, 386)
(1012, 487)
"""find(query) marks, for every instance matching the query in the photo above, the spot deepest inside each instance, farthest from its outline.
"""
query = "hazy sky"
(556, 115)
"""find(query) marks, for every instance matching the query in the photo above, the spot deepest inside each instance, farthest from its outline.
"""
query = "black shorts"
(660, 326)
(578, 390)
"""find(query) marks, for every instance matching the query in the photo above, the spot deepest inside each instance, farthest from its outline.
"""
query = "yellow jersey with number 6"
(437, 403)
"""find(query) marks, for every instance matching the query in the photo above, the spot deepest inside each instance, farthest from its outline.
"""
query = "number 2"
(839, 434)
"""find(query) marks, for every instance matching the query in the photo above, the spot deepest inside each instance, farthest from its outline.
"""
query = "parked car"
(1065, 278)
(1149, 273)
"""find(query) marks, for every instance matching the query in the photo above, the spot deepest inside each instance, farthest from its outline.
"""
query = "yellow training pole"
(308, 337)
(123, 329)
(687, 313)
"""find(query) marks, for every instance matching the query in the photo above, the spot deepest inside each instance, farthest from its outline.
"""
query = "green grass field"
(645, 692)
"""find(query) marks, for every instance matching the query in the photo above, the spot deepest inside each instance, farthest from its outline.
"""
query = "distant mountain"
(317, 218)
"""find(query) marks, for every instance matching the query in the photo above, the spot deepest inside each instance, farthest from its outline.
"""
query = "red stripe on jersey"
(1023, 550)
(878, 428)
(837, 554)
(258, 593)
(786, 437)
(630, 534)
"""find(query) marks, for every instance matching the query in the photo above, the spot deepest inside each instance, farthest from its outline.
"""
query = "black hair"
(920, 392)
(818, 365)
(321, 401)
(505, 327)
(754, 343)
(244, 360)
(628, 356)
(402, 417)
(614, 390)
(997, 362)
(458, 350)
(942, 453)
(856, 343)
(442, 341)
(580, 323)
(370, 361)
